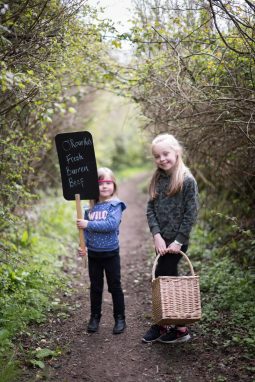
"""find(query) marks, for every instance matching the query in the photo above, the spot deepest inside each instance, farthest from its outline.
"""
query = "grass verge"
(227, 291)
(34, 266)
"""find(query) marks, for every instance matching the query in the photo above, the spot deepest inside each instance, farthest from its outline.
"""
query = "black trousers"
(168, 264)
(111, 267)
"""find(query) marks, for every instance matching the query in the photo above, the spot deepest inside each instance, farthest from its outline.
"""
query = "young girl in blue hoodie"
(101, 229)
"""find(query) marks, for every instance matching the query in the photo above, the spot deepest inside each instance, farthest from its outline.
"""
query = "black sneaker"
(173, 336)
(153, 334)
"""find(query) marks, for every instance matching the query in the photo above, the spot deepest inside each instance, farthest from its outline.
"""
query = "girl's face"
(106, 189)
(165, 157)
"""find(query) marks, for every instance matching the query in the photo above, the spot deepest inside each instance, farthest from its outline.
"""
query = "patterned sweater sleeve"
(151, 218)
(111, 223)
(190, 200)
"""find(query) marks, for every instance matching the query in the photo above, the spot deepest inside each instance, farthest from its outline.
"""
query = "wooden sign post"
(80, 216)
(78, 170)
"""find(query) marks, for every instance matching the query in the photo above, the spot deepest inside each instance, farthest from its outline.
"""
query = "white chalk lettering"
(76, 171)
(72, 159)
(66, 146)
(70, 144)
(75, 183)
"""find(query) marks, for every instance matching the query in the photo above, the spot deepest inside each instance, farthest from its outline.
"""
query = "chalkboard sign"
(77, 165)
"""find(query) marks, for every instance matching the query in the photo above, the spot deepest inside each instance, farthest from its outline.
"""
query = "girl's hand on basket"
(174, 248)
(160, 244)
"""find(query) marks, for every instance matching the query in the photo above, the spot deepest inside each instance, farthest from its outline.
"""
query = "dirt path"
(107, 357)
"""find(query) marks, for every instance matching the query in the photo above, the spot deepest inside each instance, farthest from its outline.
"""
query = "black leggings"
(111, 267)
(168, 265)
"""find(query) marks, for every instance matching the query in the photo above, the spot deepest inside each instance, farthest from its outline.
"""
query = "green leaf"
(37, 363)
(4, 333)
(71, 110)
(44, 353)
(116, 43)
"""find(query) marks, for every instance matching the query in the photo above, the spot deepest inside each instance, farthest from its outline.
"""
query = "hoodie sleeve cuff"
(155, 230)
(181, 238)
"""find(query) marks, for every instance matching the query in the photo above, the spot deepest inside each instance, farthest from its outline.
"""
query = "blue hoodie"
(102, 232)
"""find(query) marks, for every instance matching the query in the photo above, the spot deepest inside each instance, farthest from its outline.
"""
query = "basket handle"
(182, 253)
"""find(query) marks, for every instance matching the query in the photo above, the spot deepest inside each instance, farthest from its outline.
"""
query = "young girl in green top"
(171, 213)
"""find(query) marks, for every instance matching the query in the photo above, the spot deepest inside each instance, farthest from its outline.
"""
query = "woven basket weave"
(175, 299)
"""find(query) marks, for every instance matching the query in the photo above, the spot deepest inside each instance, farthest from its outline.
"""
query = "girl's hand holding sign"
(82, 223)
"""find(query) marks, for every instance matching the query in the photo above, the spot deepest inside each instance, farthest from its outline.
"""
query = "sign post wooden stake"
(81, 231)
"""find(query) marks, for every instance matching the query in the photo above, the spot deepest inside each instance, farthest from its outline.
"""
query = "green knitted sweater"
(174, 216)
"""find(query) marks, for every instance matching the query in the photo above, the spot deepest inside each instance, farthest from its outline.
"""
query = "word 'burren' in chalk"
(75, 183)
(70, 144)
(75, 171)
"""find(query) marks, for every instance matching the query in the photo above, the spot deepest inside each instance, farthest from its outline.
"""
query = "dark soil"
(124, 358)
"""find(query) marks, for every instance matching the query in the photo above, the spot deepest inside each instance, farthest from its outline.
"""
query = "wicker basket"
(175, 299)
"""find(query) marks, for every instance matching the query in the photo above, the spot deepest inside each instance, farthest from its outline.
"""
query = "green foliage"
(193, 76)
(9, 369)
(230, 235)
(41, 354)
(116, 127)
(49, 53)
(228, 295)
(227, 292)
(187, 79)
(30, 280)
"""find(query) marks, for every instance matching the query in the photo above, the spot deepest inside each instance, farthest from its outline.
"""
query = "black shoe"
(120, 324)
(93, 323)
(152, 334)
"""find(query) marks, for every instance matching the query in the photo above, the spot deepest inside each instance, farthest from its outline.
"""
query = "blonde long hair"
(105, 173)
(179, 170)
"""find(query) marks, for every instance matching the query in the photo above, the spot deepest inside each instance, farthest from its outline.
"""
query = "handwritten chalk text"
(70, 144)
(76, 171)
(76, 183)
(72, 159)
